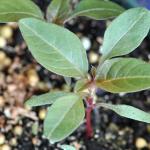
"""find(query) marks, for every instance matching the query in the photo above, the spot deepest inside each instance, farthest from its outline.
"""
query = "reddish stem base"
(90, 106)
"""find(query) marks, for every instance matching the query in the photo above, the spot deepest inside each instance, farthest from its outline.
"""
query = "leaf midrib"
(62, 118)
(58, 9)
(132, 25)
(58, 14)
(53, 47)
(121, 78)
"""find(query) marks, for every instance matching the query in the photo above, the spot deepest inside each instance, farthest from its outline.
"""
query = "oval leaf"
(97, 9)
(58, 10)
(126, 33)
(54, 47)
(128, 112)
(45, 99)
(123, 75)
(63, 117)
(14, 10)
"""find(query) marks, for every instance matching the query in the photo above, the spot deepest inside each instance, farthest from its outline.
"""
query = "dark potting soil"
(22, 132)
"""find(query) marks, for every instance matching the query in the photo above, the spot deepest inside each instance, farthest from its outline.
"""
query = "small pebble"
(18, 130)
(109, 136)
(96, 136)
(2, 139)
(2, 42)
(93, 57)
(33, 77)
(33, 80)
(13, 25)
(5, 147)
(2, 56)
(99, 40)
(122, 94)
(81, 26)
(6, 32)
(13, 142)
(7, 112)
(4, 60)
(149, 56)
(36, 141)
(72, 138)
(86, 43)
(42, 114)
(7, 62)
(141, 143)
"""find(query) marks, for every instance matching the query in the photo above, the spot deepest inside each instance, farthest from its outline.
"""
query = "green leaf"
(14, 10)
(128, 112)
(97, 9)
(126, 32)
(81, 85)
(58, 9)
(63, 117)
(55, 47)
(45, 99)
(123, 75)
(67, 147)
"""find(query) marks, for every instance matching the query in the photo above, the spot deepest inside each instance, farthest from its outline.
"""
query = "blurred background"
(21, 77)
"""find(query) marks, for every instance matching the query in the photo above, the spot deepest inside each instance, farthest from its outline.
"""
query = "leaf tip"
(27, 103)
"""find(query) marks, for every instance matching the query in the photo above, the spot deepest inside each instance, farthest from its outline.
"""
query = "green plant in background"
(61, 51)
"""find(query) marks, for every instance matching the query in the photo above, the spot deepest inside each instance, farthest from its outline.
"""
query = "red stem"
(90, 106)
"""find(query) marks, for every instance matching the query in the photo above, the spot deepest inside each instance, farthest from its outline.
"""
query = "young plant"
(61, 51)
